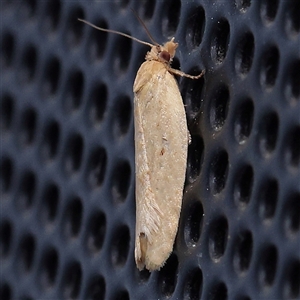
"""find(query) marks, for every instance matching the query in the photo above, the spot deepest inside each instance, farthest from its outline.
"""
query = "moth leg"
(189, 138)
(180, 73)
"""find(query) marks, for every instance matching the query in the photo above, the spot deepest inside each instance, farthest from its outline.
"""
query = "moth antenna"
(116, 32)
(145, 27)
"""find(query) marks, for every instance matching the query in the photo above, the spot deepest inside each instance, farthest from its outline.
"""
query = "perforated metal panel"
(67, 150)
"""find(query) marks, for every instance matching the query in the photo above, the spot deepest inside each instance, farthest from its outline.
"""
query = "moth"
(161, 145)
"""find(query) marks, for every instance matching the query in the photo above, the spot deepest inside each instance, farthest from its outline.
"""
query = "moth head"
(171, 47)
(166, 52)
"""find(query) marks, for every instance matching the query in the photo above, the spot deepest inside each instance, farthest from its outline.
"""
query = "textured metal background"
(67, 150)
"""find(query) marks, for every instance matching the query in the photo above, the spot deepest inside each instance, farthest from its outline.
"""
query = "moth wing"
(161, 142)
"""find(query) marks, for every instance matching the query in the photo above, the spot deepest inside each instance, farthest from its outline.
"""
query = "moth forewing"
(161, 142)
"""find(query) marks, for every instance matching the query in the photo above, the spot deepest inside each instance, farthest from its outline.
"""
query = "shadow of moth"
(161, 144)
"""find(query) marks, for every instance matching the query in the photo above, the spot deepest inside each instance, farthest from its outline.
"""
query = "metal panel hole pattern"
(67, 150)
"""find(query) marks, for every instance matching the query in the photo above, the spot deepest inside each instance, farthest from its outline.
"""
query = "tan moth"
(161, 144)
